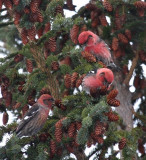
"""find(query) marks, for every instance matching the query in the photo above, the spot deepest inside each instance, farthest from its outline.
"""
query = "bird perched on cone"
(36, 117)
(96, 46)
(103, 77)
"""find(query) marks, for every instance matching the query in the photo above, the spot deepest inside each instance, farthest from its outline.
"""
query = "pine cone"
(53, 147)
(67, 80)
(122, 143)
(107, 5)
(17, 105)
(91, 6)
(94, 15)
(74, 33)
(89, 142)
(70, 5)
(5, 118)
(112, 117)
(141, 148)
(113, 102)
(125, 69)
(52, 44)
(100, 140)
(103, 90)
(43, 137)
(95, 22)
(55, 65)
(78, 125)
(26, 10)
(79, 81)
(103, 20)
(98, 128)
(8, 4)
(29, 65)
(33, 17)
(83, 28)
(59, 104)
(115, 44)
(112, 94)
(8, 99)
(119, 53)
(73, 79)
(1, 3)
(18, 58)
(24, 36)
(31, 33)
(16, 2)
(58, 131)
(122, 38)
(69, 148)
(94, 92)
(5, 80)
(142, 83)
(40, 17)
(88, 56)
(142, 56)
(34, 5)
(118, 24)
(17, 17)
(71, 130)
(59, 10)
(44, 91)
(40, 32)
(136, 81)
(47, 27)
(140, 4)
(140, 12)
(128, 34)
(24, 110)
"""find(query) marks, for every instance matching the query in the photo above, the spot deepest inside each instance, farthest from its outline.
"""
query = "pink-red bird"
(96, 46)
(103, 77)
(36, 117)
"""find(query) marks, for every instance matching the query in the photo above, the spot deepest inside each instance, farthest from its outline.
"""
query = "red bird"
(103, 77)
(36, 117)
(96, 46)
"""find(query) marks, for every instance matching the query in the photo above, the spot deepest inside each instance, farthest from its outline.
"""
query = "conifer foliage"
(43, 56)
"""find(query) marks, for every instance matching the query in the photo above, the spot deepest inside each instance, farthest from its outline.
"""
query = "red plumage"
(103, 77)
(96, 46)
(36, 117)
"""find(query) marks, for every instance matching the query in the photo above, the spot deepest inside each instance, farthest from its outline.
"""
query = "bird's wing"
(27, 117)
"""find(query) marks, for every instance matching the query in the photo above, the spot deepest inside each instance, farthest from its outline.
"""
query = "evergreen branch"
(6, 24)
(4, 16)
(134, 63)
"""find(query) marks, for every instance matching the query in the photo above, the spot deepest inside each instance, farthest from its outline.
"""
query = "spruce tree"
(43, 56)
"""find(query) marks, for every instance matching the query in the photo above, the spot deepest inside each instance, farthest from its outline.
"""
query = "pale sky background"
(79, 4)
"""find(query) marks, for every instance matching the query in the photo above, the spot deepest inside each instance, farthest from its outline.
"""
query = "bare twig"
(134, 63)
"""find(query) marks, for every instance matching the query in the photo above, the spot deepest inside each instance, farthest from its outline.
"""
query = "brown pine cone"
(103, 20)
(112, 94)
(74, 33)
(29, 65)
(47, 27)
(33, 17)
(136, 81)
(39, 15)
(55, 66)
(141, 148)
(142, 56)
(123, 38)
(140, 11)
(69, 148)
(59, 104)
(125, 69)
(17, 105)
(100, 140)
(67, 81)
(70, 5)
(58, 131)
(52, 44)
(26, 10)
(98, 128)
(18, 58)
(107, 5)
(53, 147)
(31, 33)
(40, 32)
(78, 125)
(140, 4)
(5, 80)
(115, 44)
(79, 80)
(88, 56)
(112, 117)
(8, 99)
(89, 142)
(59, 10)
(34, 5)
(44, 91)
(91, 6)
(16, 2)
(95, 22)
(17, 17)
(128, 34)
(83, 28)
(103, 90)
(122, 143)
(118, 24)
(24, 36)
(74, 79)
(113, 102)
(43, 137)
(142, 83)
(71, 130)
(5, 118)
(8, 4)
